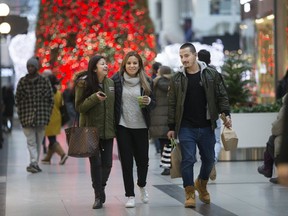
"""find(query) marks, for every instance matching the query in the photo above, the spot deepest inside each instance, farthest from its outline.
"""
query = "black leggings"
(100, 165)
(52, 140)
(133, 143)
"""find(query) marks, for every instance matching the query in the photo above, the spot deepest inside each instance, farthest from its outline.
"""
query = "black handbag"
(82, 141)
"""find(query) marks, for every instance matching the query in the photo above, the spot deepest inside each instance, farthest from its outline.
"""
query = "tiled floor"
(66, 190)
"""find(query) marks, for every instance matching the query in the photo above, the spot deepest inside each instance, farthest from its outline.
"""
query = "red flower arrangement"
(70, 32)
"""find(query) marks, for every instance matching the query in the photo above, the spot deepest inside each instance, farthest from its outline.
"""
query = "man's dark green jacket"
(217, 98)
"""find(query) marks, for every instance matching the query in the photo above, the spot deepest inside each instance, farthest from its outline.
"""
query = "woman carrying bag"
(94, 100)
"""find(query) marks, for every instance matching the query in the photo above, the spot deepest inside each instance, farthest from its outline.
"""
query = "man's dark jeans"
(204, 139)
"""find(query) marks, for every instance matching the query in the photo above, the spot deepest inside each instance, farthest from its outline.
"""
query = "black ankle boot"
(103, 195)
(274, 180)
(267, 168)
(267, 172)
(97, 204)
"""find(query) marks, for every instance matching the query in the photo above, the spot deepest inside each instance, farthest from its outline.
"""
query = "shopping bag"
(176, 158)
(166, 157)
(82, 141)
(228, 137)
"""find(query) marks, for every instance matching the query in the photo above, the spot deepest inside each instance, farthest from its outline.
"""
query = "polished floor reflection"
(66, 190)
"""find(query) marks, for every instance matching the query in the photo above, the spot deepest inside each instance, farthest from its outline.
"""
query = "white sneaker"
(131, 202)
(144, 195)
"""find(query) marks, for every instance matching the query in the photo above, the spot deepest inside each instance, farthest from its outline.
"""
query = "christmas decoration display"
(236, 73)
(265, 61)
(70, 32)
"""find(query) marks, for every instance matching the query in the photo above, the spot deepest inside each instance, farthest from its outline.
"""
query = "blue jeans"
(204, 138)
(217, 132)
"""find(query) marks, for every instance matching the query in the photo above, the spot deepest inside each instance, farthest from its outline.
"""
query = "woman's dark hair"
(92, 82)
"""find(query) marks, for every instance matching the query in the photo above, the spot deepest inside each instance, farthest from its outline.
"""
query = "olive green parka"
(93, 112)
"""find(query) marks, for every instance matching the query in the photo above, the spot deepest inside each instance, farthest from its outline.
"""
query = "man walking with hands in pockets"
(196, 98)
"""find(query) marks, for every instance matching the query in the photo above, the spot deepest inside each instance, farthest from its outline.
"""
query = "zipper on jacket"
(203, 78)
(104, 119)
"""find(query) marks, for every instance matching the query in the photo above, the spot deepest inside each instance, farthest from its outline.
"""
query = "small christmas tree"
(238, 87)
(70, 32)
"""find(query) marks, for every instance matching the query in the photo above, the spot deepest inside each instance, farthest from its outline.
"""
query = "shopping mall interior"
(64, 35)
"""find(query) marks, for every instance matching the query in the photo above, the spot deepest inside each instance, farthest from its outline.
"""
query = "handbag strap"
(76, 120)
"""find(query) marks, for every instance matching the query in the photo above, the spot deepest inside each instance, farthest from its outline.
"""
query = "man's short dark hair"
(204, 55)
(190, 45)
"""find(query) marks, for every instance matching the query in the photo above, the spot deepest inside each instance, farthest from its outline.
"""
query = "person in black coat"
(69, 100)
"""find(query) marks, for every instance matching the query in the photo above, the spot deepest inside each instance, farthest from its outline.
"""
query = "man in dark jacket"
(196, 98)
(34, 101)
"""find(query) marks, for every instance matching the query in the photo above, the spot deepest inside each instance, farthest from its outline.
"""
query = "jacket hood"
(201, 64)
(168, 76)
(80, 75)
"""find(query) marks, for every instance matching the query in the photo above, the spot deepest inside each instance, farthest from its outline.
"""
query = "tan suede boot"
(190, 197)
(200, 186)
(59, 150)
(47, 158)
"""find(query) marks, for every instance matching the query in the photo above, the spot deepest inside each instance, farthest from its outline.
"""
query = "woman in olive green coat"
(94, 100)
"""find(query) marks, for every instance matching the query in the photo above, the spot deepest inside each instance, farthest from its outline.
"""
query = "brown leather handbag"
(82, 141)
